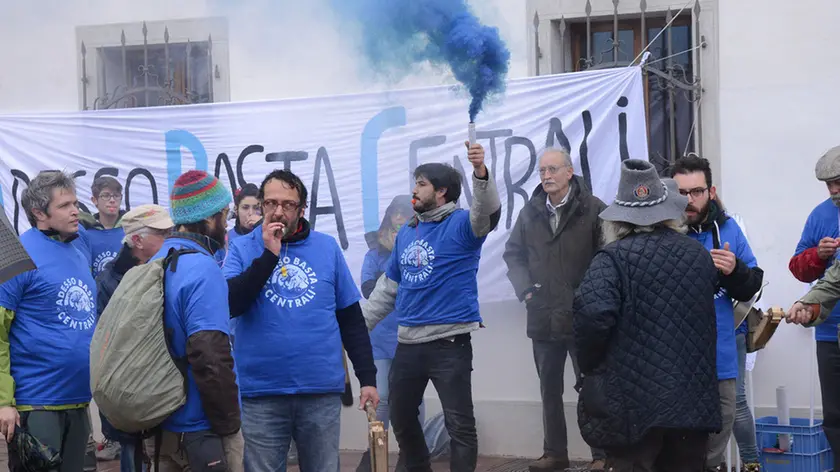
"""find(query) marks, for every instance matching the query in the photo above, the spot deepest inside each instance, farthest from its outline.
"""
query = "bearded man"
(739, 276)
(814, 254)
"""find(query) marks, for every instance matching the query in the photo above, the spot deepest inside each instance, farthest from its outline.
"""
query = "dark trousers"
(550, 358)
(448, 364)
(661, 450)
(828, 364)
(66, 431)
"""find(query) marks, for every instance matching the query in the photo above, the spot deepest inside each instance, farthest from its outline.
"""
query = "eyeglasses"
(287, 205)
(550, 169)
(110, 196)
(694, 192)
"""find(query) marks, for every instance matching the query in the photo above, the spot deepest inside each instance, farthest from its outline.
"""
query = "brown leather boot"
(548, 463)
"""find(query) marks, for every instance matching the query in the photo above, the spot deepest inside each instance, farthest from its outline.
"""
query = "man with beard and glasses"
(296, 303)
(740, 279)
(430, 283)
(206, 430)
(815, 252)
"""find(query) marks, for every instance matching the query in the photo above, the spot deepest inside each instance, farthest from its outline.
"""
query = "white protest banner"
(354, 152)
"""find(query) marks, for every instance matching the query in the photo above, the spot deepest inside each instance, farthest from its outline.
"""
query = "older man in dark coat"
(549, 249)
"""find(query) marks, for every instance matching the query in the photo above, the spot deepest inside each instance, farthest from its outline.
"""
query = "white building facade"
(756, 95)
(759, 105)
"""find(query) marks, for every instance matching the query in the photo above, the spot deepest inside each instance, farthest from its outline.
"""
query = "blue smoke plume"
(401, 34)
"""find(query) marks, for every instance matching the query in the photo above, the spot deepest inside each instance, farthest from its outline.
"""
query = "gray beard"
(836, 200)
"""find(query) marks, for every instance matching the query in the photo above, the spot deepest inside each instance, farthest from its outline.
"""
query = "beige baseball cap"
(145, 216)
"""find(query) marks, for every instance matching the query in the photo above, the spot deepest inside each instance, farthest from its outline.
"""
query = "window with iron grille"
(672, 85)
(141, 65)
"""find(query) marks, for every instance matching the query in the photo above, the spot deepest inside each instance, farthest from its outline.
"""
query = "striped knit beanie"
(197, 196)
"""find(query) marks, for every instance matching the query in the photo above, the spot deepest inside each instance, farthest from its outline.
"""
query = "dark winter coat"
(645, 335)
(109, 279)
(556, 260)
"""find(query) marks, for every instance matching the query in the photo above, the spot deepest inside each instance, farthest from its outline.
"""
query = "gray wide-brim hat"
(828, 167)
(643, 199)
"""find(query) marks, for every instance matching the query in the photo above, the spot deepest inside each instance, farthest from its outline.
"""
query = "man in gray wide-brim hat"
(645, 330)
(643, 199)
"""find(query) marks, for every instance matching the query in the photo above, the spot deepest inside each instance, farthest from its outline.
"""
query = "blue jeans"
(270, 423)
(744, 428)
(383, 368)
(127, 451)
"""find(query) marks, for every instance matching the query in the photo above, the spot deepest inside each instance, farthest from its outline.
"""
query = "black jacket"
(645, 334)
(534, 254)
(111, 276)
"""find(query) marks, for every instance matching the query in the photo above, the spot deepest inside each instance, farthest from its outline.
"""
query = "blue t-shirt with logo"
(727, 350)
(55, 316)
(103, 244)
(196, 300)
(288, 342)
(822, 223)
(435, 265)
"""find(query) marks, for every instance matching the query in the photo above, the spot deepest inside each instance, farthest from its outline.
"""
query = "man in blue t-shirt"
(207, 427)
(101, 233)
(48, 317)
(815, 252)
(430, 284)
(740, 279)
(296, 303)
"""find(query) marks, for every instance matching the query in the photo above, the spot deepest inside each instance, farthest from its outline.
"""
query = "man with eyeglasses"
(100, 238)
(296, 303)
(740, 279)
(101, 233)
(550, 247)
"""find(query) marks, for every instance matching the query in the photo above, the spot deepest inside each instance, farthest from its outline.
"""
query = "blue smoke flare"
(398, 35)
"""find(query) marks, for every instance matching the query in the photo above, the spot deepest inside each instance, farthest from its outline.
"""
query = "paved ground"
(349, 461)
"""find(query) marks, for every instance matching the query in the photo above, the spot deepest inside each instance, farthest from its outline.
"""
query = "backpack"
(135, 379)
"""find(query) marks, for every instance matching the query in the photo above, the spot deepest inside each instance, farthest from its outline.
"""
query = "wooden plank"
(378, 441)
